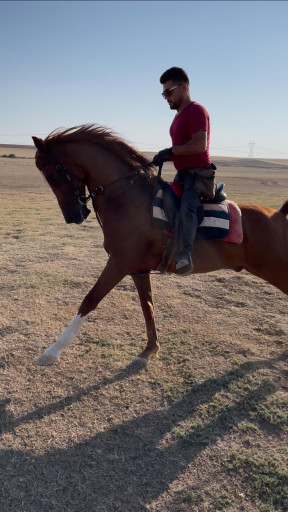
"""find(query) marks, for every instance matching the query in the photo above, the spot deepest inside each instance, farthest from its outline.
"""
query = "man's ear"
(39, 144)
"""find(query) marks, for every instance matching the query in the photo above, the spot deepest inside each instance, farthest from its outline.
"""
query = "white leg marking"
(52, 354)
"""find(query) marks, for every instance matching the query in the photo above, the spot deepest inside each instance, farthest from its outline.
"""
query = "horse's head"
(67, 185)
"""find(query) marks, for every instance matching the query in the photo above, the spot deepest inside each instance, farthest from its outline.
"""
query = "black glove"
(162, 156)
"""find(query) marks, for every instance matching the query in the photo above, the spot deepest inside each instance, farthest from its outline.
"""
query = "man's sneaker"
(184, 265)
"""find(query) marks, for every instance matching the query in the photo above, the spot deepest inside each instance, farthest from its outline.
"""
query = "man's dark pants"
(196, 184)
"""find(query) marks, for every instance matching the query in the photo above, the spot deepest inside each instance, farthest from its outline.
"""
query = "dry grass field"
(203, 428)
(18, 151)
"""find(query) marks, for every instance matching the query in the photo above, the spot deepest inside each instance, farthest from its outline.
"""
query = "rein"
(99, 190)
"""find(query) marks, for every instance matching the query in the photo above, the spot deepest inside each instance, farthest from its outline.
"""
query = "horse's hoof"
(142, 361)
(46, 360)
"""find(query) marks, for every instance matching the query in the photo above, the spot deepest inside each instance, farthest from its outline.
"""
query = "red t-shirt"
(190, 120)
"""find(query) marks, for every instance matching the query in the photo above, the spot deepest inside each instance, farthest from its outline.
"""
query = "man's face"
(174, 94)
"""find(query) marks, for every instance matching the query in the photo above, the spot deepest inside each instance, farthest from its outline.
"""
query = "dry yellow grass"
(94, 434)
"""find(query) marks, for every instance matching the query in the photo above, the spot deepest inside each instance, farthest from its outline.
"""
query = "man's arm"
(197, 144)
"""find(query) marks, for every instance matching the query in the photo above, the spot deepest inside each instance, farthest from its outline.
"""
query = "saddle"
(218, 218)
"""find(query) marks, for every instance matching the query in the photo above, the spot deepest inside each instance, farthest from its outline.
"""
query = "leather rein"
(99, 190)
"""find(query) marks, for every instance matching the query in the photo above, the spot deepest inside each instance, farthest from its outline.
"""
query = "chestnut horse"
(121, 183)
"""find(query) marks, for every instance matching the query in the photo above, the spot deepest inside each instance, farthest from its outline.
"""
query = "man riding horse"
(190, 134)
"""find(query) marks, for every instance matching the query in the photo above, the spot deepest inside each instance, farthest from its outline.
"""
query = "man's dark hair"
(175, 75)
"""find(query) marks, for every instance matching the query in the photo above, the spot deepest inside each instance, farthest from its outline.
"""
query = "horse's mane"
(107, 139)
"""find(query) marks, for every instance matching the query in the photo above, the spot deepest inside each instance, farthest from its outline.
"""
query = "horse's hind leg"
(278, 277)
(267, 250)
(143, 285)
(275, 272)
(110, 277)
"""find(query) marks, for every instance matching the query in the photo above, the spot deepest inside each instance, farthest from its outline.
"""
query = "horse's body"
(120, 182)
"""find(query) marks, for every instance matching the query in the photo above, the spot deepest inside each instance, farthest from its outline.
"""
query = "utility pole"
(251, 150)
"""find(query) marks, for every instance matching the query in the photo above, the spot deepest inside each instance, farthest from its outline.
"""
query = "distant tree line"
(11, 155)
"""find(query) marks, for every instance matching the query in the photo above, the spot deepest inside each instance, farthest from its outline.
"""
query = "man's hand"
(162, 156)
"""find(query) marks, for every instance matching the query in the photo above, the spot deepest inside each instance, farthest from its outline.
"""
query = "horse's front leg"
(112, 274)
(143, 285)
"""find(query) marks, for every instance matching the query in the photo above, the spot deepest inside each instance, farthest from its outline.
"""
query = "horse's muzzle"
(77, 215)
(85, 211)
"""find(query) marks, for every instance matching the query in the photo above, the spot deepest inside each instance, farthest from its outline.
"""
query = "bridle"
(69, 175)
(98, 190)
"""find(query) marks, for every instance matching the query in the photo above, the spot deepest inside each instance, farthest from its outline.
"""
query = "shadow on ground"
(121, 469)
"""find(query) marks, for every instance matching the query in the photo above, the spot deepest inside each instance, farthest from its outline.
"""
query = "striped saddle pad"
(216, 221)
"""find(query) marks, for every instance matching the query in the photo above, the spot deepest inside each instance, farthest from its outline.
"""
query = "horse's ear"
(39, 144)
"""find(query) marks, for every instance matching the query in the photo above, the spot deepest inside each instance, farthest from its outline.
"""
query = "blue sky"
(66, 63)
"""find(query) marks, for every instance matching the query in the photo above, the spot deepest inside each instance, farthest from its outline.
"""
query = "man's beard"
(172, 105)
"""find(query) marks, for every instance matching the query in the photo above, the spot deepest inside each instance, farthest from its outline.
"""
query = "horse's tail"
(284, 208)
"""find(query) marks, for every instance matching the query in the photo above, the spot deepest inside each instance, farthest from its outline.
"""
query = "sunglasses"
(167, 92)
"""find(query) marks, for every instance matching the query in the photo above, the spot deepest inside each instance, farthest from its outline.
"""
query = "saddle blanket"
(217, 221)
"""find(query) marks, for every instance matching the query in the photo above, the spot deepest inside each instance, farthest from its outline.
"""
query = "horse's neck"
(101, 166)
